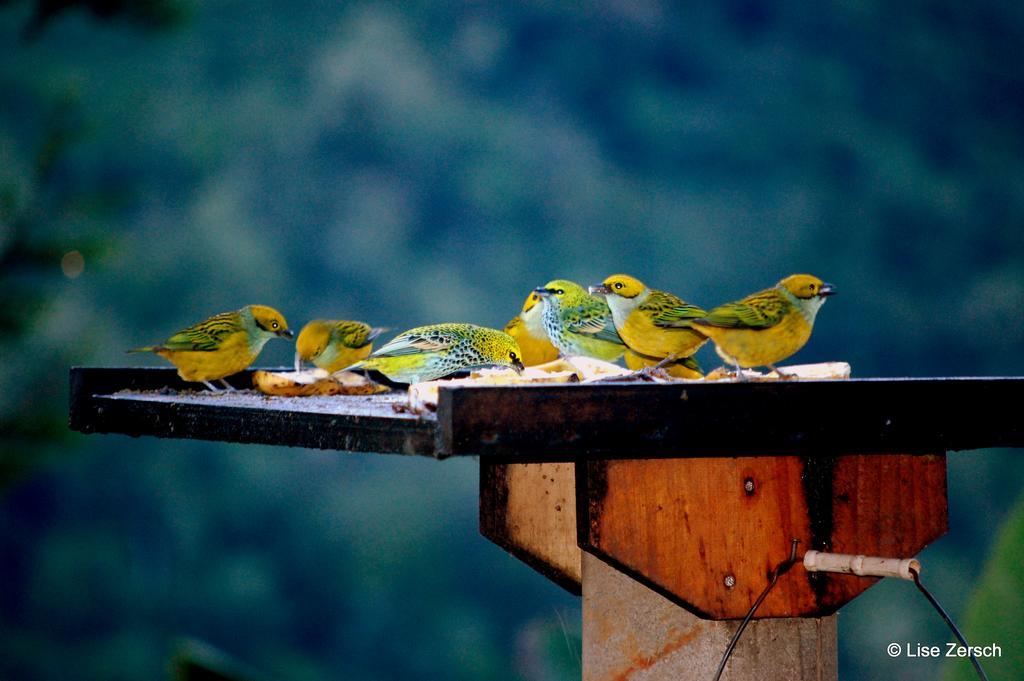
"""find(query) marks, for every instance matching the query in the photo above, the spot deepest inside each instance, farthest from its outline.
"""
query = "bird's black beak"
(518, 365)
(827, 290)
(543, 292)
(600, 289)
(286, 333)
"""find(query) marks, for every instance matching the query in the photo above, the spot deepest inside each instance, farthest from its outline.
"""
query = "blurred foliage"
(34, 264)
(417, 162)
(198, 661)
(157, 14)
(1000, 591)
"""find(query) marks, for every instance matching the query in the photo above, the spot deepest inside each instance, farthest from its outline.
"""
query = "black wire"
(945, 616)
(785, 566)
(781, 569)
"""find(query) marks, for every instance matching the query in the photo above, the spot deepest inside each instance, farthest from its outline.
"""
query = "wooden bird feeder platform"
(665, 505)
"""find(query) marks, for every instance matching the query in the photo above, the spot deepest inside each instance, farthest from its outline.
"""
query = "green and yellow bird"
(222, 345)
(527, 328)
(333, 344)
(429, 352)
(656, 326)
(578, 323)
(768, 326)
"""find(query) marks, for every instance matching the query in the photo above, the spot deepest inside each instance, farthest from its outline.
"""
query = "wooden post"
(677, 550)
(632, 633)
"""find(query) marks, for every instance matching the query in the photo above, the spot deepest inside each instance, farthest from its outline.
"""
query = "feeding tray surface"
(567, 422)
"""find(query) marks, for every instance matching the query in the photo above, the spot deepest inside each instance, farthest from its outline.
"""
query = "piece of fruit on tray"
(314, 382)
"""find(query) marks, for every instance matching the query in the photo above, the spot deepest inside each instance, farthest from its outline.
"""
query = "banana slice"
(423, 396)
(806, 372)
(314, 382)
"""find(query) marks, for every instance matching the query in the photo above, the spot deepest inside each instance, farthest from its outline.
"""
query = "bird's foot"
(653, 374)
(783, 376)
(665, 362)
(212, 387)
(228, 386)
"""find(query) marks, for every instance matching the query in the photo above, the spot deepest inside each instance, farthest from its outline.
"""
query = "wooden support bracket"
(529, 509)
(706, 532)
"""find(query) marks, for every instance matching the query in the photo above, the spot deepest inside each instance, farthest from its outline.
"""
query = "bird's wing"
(356, 334)
(414, 343)
(207, 335)
(758, 311)
(593, 318)
(670, 311)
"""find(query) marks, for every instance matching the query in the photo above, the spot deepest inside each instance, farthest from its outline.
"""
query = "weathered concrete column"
(632, 633)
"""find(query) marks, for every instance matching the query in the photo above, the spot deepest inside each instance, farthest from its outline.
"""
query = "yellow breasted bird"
(578, 323)
(654, 324)
(222, 345)
(527, 328)
(333, 344)
(768, 326)
(429, 352)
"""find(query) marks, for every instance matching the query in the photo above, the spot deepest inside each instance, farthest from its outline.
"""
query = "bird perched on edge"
(333, 344)
(768, 326)
(429, 352)
(222, 345)
(655, 325)
(578, 323)
(527, 328)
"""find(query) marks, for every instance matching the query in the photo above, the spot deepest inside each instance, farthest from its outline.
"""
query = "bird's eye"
(274, 324)
(618, 284)
(559, 292)
(512, 356)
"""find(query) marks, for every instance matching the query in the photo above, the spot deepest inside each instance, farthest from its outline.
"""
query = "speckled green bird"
(333, 344)
(578, 323)
(429, 352)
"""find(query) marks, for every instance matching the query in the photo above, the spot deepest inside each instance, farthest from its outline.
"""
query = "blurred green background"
(415, 162)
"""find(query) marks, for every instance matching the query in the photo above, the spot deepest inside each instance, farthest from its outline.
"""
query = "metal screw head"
(730, 581)
(748, 485)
